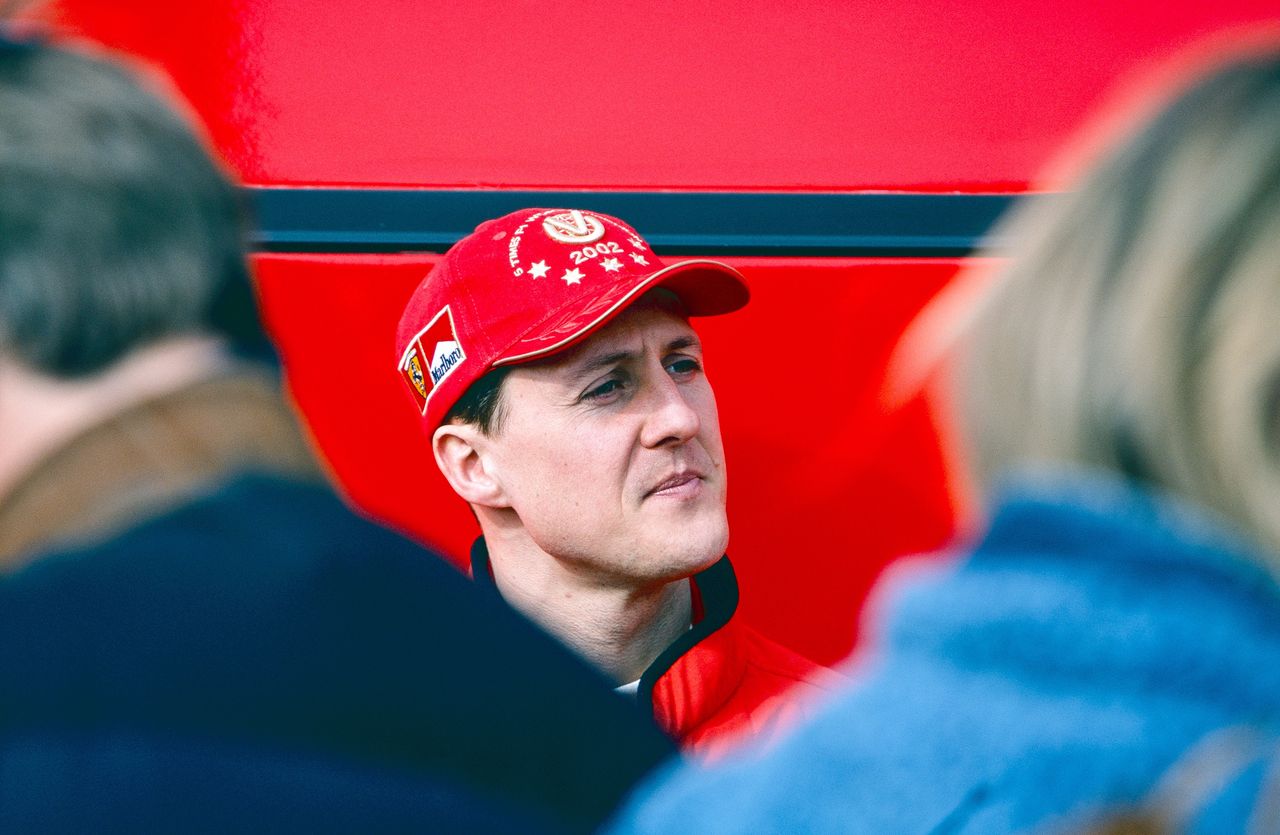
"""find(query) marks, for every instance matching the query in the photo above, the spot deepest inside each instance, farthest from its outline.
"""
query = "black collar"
(716, 587)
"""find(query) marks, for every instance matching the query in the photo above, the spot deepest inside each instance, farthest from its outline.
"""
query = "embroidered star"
(572, 276)
(639, 259)
(636, 242)
(611, 265)
(538, 269)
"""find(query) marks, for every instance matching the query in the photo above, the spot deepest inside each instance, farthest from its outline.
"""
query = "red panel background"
(826, 485)
(854, 94)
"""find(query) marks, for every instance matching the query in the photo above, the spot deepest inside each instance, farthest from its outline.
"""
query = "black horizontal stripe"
(292, 219)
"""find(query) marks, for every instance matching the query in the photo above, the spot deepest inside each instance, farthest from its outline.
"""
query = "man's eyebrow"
(603, 361)
(681, 343)
(613, 358)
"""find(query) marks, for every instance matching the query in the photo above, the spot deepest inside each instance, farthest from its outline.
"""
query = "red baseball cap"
(529, 285)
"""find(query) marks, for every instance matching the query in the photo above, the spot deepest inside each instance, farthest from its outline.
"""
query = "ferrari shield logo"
(416, 377)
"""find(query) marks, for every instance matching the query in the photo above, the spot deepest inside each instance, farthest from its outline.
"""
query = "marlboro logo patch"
(431, 357)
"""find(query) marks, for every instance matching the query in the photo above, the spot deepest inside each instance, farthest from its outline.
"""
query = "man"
(195, 633)
(551, 356)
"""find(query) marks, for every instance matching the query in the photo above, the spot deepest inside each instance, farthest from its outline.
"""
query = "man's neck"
(621, 630)
(39, 413)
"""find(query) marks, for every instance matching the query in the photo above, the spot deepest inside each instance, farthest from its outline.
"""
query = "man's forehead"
(631, 333)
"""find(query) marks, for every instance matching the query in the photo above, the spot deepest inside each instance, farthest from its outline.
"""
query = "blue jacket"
(259, 658)
(1085, 645)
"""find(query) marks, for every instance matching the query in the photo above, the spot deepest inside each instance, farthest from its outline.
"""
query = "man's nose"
(671, 420)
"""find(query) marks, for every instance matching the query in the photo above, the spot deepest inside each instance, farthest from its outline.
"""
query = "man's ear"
(462, 454)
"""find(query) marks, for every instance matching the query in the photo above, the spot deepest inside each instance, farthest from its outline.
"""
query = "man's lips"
(677, 484)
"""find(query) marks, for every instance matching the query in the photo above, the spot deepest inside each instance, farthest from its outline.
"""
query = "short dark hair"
(481, 404)
(116, 226)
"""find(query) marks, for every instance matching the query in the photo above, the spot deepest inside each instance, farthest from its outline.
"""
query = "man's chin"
(696, 552)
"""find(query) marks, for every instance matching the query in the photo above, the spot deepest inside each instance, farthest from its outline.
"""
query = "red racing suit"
(721, 682)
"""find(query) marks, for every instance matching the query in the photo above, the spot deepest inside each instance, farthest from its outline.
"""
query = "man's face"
(610, 454)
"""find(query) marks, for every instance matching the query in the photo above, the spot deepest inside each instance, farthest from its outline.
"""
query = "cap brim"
(704, 287)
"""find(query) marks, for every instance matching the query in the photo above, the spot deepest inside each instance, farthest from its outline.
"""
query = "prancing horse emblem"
(573, 227)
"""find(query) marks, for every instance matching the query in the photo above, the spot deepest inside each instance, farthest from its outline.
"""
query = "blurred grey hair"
(1137, 326)
(116, 228)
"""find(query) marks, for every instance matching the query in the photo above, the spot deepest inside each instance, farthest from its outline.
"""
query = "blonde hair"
(1137, 326)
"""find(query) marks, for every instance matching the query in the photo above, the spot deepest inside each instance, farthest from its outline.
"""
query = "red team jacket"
(721, 682)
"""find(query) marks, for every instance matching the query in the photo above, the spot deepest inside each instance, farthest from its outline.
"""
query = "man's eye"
(683, 366)
(603, 391)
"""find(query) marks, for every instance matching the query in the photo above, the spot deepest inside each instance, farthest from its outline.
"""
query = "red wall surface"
(740, 94)
(828, 482)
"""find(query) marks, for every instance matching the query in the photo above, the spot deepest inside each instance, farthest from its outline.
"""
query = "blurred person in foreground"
(195, 633)
(1120, 393)
(1224, 760)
